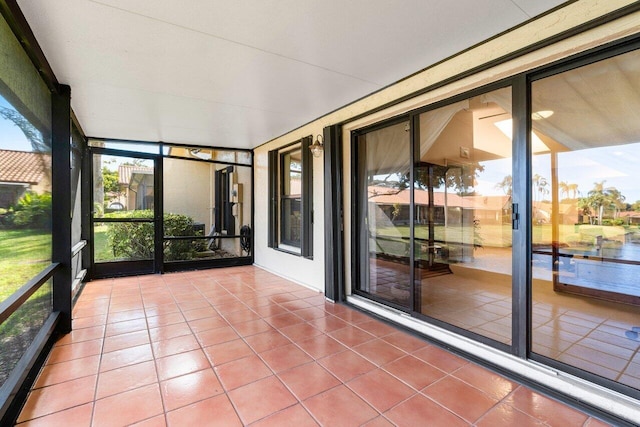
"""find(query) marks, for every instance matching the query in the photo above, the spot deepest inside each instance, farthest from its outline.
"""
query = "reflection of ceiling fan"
(199, 153)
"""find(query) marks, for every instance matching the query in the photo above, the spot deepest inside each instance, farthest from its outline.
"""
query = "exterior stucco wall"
(188, 189)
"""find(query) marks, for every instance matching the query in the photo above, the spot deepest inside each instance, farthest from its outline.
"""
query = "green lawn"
(103, 250)
(395, 240)
(581, 235)
(495, 235)
(23, 254)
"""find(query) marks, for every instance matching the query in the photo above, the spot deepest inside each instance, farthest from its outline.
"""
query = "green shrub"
(135, 240)
(6, 218)
(33, 211)
(180, 225)
(618, 221)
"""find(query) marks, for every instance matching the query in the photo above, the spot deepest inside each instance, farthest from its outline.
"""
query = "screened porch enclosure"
(199, 200)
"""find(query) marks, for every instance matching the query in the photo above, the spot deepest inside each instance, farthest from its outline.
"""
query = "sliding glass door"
(434, 214)
(439, 234)
(383, 214)
(462, 203)
(586, 228)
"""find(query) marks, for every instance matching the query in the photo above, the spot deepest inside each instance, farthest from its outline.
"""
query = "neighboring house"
(21, 171)
(630, 217)
(460, 209)
(136, 184)
(568, 212)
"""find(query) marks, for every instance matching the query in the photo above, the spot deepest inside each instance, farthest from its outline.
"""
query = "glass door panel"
(586, 235)
(462, 208)
(123, 217)
(384, 214)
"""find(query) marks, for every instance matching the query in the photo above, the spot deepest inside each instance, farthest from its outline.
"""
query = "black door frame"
(126, 268)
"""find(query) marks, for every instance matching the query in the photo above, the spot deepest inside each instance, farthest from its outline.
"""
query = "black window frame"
(276, 239)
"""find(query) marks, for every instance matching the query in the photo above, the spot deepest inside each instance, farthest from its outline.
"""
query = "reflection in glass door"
(586, 232)
(450, 228)
(384, 196)
(124, 214)
(462, 207)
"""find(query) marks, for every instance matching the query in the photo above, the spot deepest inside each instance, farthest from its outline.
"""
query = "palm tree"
(34, 136)
(585, 208)
(564, 188)
(506, 185)
(601, 197)
(616, 200)
(540, 184)
(597, 199)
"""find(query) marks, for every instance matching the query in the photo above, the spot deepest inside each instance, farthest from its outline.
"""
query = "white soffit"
(239, 73)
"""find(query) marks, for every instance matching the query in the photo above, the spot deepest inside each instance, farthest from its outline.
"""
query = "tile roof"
(386, 195)
(23, 166)
(125, 172)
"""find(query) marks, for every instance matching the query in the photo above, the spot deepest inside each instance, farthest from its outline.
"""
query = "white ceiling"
(238, 73)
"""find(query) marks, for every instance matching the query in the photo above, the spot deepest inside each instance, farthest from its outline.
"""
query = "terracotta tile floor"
(240, 346)
(588, 333)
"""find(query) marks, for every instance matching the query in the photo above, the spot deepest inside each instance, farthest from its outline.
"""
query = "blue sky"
(618, 166)
(11, 137)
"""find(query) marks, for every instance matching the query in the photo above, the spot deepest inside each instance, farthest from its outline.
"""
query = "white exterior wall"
(307, 272)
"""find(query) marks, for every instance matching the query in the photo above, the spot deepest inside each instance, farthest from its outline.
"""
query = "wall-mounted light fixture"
(317, 147)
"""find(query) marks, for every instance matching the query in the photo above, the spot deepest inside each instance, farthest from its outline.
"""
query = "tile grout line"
(155, 365)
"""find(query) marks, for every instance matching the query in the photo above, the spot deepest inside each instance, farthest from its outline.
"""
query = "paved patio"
(241, 346)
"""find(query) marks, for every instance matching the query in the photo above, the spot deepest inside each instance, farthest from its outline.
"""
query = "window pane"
(292, 173)
(462, 194)
(384, 213)
(291, 222)
(586, 235)
(290, 199)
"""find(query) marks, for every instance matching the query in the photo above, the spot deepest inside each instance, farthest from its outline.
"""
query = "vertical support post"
(158, 223)
(333, 215)
(61, 203)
